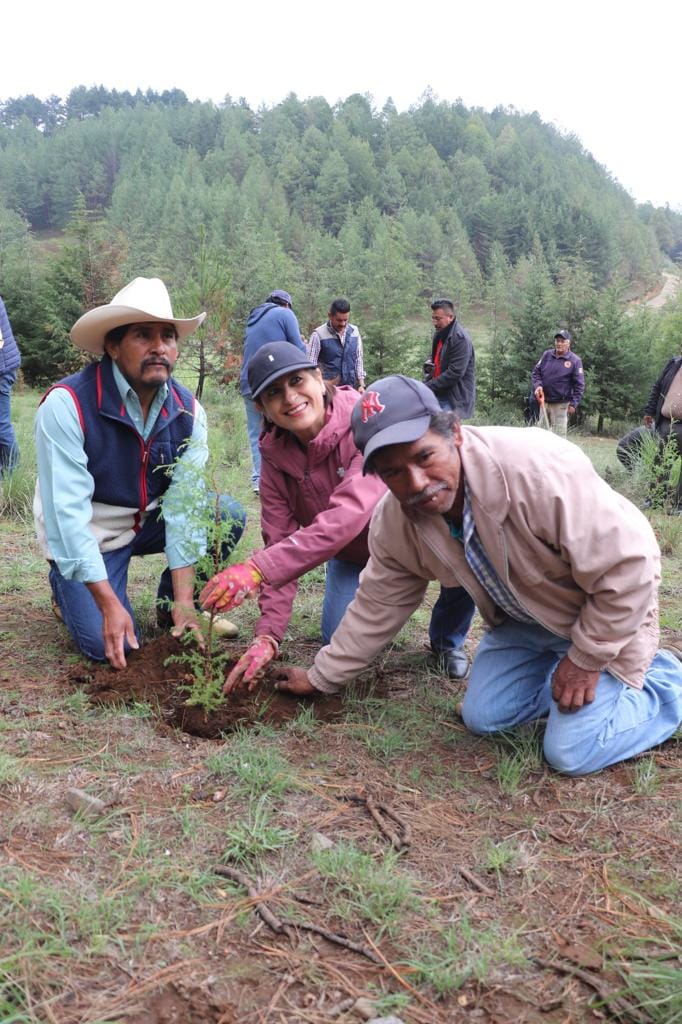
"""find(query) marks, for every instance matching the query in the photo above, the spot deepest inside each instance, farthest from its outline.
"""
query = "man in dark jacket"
(451, 371)
(272, 320)
(10, 360)
(558, 381)
(451, 375)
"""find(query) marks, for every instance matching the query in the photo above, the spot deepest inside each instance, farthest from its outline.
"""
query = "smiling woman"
(315, 503)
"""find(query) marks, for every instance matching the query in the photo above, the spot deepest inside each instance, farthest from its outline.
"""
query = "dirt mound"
(151, 677)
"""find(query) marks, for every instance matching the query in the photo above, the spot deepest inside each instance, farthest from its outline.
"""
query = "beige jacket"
(580, 558)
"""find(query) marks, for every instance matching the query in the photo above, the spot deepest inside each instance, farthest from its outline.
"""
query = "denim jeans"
(81, 615)
(342, 582)
(450, 619)
(254, 427)
(510, 683)
(9, 449)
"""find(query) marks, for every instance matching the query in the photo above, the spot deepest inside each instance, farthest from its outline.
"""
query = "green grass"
(251, 766)
(358, 885)
(255, 836)
(463, 951)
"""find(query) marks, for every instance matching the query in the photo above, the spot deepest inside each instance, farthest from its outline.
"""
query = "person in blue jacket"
(272, 320)
(10, 361)
(558, 381)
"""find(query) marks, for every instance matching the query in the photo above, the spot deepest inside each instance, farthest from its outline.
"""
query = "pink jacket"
(580, 558)
(315, 505)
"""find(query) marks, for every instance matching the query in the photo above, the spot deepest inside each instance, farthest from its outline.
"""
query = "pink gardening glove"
(229, 588)
(251, 666)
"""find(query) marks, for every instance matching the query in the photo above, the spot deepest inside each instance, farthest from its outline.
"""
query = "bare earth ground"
(530, 887)
(465, 881)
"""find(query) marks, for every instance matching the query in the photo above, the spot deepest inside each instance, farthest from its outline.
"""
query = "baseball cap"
(281, 295)
(563, 334)
(393, 410)
(272, 361)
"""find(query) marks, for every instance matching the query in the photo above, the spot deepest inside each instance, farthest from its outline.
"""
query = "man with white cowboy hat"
(112, 442)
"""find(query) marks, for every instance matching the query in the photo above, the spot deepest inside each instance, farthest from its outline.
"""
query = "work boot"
(454, 662)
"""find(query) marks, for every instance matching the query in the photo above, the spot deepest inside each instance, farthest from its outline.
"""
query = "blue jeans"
(9, 449)
(254, 427)
(81, 615)
(342, 582)
(450, 619)
(510, 683)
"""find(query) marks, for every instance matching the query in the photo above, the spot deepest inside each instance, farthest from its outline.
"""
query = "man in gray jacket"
(564, 570)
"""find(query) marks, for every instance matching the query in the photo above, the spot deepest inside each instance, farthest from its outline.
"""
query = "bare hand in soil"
(117, 629)
(251, 666)
(572, 687)
(185, 617)
(291, 679)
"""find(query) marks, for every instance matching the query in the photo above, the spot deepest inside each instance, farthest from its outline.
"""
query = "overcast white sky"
(606, 71)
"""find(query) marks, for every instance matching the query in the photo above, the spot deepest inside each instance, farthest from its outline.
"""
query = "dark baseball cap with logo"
(563, 334)
(272, 361)
(393, 410)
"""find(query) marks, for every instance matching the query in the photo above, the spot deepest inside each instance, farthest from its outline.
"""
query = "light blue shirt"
(67, 487)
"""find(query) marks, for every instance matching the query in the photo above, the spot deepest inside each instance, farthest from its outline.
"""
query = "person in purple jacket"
(315, 506)
(558, 381)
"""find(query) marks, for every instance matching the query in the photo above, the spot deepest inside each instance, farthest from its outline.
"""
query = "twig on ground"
(399, 978)
(618, 1006)
(290, 928)
(262, 909)
(470, 877)
(376, 809)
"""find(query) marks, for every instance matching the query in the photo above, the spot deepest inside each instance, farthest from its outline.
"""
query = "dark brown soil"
(151, 677)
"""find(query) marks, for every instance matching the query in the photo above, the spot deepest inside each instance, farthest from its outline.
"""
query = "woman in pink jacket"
(315, 504)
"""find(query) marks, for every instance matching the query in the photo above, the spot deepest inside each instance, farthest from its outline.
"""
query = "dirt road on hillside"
(671, 286)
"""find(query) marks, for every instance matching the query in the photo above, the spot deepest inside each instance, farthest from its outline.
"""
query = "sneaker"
(454, 663)
(222, 626)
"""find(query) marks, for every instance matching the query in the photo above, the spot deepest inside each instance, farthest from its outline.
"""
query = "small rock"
(219, 795)
(364, 1007)
(386, 1020)
(81, 802)
(320, 842)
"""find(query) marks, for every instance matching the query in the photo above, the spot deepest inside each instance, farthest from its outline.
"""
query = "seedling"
(208, 530)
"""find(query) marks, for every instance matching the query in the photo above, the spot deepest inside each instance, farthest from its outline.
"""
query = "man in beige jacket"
(564, 571)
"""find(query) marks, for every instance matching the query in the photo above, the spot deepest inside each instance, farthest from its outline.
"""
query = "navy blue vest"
(126, 469)
(337, 360)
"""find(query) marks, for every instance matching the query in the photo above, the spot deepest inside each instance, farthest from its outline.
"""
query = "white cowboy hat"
(144, 300)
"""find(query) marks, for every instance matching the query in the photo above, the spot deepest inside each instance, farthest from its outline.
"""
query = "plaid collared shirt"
(482, 568)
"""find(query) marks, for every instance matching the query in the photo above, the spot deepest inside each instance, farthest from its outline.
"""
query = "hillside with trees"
(501, 211)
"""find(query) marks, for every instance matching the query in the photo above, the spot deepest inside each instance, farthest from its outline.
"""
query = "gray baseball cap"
(393, 410)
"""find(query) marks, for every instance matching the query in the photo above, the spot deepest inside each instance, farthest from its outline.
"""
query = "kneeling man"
(564, 571)
(112, 442)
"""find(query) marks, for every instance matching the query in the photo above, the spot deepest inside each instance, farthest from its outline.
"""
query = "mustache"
(428, 492)
(156, 361)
